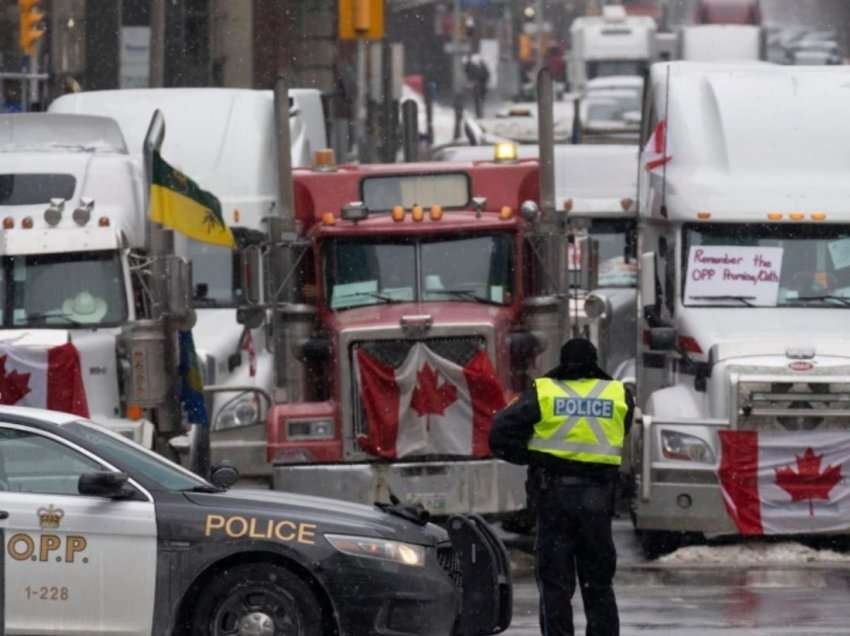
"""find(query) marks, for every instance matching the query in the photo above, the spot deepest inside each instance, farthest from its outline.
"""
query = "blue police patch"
(583, 407)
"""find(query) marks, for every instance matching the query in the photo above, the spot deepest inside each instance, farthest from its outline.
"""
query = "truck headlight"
(684, 447)
(309, 429)
(242, 411)
(370, 548)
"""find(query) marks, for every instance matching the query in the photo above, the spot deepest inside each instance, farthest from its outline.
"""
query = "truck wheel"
(656, 543)
(257, 600)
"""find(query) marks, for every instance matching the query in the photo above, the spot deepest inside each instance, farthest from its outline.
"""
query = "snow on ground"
(788, 553)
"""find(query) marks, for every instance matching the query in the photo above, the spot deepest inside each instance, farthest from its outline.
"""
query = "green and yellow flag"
(179, 203)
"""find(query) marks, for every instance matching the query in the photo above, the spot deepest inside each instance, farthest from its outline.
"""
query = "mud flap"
(487, 602)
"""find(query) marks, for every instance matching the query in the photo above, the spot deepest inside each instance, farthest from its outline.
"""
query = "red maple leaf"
(13, 386)
(429, 398)
(808, 482)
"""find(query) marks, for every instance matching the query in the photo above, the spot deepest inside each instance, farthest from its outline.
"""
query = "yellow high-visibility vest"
(581, 420)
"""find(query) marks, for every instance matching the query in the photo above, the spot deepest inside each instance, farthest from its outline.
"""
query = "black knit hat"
(579, 354)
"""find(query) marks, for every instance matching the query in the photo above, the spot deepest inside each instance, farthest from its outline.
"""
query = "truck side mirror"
(588, 262)
(648, 276)
(662, 338)
(252, 274)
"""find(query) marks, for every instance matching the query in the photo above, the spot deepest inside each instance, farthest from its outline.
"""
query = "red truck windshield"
(477, 268)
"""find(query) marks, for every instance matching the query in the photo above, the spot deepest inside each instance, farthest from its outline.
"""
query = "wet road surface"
(727, 599)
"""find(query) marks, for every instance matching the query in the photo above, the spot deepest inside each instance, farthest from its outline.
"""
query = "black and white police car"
(101, 536)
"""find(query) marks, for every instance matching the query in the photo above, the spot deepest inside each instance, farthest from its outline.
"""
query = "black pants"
(574, 538)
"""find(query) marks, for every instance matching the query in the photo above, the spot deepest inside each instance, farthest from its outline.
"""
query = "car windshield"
(136, 459)
(767, 264)
(610, 68)
(465, 268)
(76, 289)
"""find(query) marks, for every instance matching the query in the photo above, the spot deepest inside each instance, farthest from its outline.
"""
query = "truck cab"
(71, 204)
(744, 277)
(414, 321)
(224, 139)
(611, 44)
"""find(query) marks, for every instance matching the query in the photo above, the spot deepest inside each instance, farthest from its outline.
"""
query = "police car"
(101, 536)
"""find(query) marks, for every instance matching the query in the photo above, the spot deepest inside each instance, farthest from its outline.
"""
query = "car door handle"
(3, 515)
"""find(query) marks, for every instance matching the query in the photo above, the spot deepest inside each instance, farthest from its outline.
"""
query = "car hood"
(331, 516)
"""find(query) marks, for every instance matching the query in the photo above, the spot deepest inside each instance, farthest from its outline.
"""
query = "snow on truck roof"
(751, 138)
(39, 131)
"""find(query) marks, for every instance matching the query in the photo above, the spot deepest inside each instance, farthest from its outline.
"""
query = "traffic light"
(361, 19)
(30, 24)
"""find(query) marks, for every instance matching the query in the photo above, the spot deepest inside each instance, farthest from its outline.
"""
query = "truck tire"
(657, 543)
(256, 598)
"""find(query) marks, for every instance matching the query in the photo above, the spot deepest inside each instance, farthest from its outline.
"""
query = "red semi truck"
(728, 12)
(407, 303)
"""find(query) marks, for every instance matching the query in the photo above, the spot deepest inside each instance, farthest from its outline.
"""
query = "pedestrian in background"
(569, 429)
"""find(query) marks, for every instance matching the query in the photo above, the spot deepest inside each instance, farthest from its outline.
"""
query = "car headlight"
(371, 548)
(241, 412)
(309, 429)
(684, 447)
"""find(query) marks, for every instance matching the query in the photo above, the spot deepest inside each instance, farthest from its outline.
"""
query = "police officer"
(569, 428)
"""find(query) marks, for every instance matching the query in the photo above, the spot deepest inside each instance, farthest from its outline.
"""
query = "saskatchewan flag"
(179, 203)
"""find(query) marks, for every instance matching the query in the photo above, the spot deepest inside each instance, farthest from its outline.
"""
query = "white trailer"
(73, 218)
(713, 356)
(613, 43)
(224, 139)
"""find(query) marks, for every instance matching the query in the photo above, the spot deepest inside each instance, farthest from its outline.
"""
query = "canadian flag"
(43, 378)
(786, 483)
(655, 153)
(428, 405)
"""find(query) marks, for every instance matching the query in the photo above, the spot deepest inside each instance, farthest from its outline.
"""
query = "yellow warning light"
(818, 216)
(505, 151)
(398, 214)
(436, 212)
(324, 160)
(703, 216)
(506, 213)
(774, 216)
(568, 205)
(796, 216)
(416, 213)
(328, 218)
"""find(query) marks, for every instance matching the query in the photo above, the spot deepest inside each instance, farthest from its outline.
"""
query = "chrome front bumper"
(488, 486)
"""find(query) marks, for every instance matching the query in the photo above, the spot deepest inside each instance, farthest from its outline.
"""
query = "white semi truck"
(76, 270)
(744, 237)
(225, 140)
(610, 44)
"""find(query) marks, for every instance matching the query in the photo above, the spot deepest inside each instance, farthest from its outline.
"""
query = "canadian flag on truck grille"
(428, 405)
(786, 483)
(43, 378)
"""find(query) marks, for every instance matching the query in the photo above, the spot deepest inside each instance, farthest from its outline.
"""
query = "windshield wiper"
(461, 293)
(842, 299)
(386, 299)
(742, 299)
(52, 314)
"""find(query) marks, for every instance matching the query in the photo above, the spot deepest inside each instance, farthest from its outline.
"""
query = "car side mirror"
(104, 484)
(224, 476)
(662, 338)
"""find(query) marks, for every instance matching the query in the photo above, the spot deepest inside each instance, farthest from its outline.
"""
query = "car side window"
(32, 463)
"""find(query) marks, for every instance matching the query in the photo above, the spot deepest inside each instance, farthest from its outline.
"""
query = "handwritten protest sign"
(751, 273)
